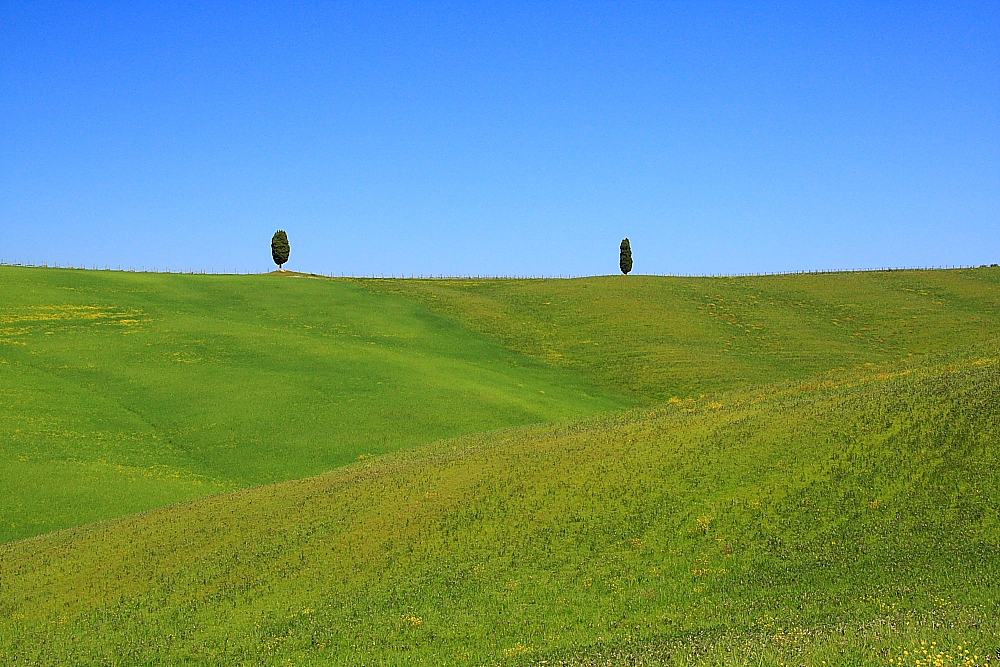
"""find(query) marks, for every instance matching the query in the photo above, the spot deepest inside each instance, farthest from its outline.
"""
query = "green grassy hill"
(612, 470)
(655, 338)
(122, 392)
(850, 519)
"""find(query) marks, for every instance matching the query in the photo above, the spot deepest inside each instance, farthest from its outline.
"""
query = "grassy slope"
(843, 519)
(656, 338)
(121, 392)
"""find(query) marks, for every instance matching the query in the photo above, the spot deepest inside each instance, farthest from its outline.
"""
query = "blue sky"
(500, 138)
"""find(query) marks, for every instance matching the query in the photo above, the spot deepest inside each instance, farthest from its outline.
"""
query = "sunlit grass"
(648, 471)
(120, 392)
(229, 381)
(833, 520)
(655, 338)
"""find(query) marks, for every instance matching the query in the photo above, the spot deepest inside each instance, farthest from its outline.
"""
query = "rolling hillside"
(655, 338)
(123, 392)
(847, 519)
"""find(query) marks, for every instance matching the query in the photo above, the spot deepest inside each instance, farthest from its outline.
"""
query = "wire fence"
(432, 276)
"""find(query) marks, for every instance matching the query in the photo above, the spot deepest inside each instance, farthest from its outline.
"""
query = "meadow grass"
(659, 337)
(121, 392)
(847, 519)
(754, 471)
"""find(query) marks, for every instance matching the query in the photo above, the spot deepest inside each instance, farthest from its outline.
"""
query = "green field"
(655, 338)
(788, 469)
(121, 392)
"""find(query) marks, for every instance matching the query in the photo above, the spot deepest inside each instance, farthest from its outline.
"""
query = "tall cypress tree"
(625, 259)
(280, 248)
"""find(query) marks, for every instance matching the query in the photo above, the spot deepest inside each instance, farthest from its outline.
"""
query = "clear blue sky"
(500, 138)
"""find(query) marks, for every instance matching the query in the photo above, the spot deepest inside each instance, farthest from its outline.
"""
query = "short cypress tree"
(625, 259)
(280, 248)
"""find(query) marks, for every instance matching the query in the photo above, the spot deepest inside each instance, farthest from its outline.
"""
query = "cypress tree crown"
(625, 259)
(280, 248)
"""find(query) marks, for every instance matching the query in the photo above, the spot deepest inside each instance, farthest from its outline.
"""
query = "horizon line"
(432, 276)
